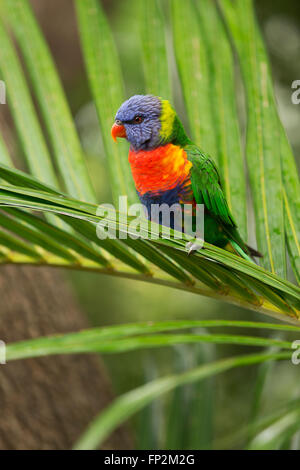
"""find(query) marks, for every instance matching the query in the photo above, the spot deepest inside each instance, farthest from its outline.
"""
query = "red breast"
(160, 169)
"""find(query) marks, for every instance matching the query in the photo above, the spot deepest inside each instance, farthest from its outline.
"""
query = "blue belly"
(169, 197)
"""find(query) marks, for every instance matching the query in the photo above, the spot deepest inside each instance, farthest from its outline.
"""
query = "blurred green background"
(217, 409)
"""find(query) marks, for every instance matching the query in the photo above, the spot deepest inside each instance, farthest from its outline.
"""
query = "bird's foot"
(194, 245)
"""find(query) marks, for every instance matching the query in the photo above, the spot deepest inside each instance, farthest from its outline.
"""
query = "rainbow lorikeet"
(167, 167)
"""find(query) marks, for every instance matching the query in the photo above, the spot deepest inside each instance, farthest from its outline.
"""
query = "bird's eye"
(137, 119)
(118, 122)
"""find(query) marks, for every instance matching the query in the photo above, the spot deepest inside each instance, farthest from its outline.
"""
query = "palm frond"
(264, 136)
(137, 336)
(194, 70)
(133, 401)
(51, 98)
(234, 272)
(107, 87)
(154, 49)
(231, 278)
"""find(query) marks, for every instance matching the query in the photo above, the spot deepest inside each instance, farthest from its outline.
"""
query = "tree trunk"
(46, 403)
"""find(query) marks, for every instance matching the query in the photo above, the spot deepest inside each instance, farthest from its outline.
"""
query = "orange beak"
(118, 131)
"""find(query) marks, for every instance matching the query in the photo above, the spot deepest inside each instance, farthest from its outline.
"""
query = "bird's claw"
(194, 245)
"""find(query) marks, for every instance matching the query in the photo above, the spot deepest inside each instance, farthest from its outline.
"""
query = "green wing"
(208, 190)
(206, 185)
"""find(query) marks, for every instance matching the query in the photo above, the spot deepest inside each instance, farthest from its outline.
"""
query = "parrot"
(168, 168)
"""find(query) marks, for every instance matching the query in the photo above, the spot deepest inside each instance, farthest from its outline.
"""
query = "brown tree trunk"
(46, 403)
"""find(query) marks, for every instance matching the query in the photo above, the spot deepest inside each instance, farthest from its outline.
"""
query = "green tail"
(240, 251)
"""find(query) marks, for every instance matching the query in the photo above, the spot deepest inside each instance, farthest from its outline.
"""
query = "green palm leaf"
(232, 276)
(284, 295)
(21, 104)
(225, 118)
(155, 57)
(263, 135)
(130, 403)
(50, 95)
(106, 84)
(194, 70)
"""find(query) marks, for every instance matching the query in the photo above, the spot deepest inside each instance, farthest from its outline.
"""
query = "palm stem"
(158, 277)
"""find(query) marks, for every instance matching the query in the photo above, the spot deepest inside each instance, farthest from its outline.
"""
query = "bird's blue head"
(146, 121)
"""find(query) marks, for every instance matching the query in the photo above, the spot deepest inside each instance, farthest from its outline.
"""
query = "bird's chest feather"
(162, 175)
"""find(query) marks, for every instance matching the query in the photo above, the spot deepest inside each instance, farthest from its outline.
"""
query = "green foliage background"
(179, 50)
